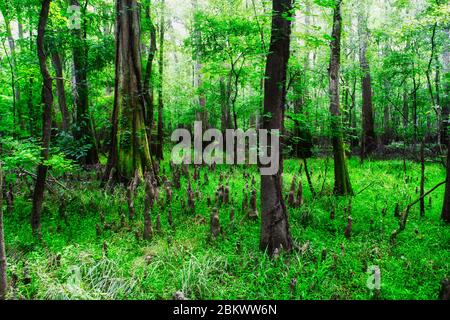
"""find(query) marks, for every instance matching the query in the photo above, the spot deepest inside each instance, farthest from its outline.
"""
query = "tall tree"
(30, 105)
(83, 130)
(160, 149)
(129, 151)
(446, 87)
(342, 184)
(3, 280)
(368, 141)
(275, 234)
(202, 113)
(47, 99)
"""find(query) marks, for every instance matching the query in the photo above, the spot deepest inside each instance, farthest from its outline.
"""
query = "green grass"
(70, 262)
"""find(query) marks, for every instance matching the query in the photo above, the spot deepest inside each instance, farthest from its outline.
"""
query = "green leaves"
(219, 37)
(22, 154)
(59, 164)
(25, 154)
(71, 147)
(326, 3)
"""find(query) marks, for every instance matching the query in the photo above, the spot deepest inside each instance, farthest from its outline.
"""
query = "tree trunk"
(13, 64)
(61, 93)
(369, 139)
(342, 184)
(148, 77)
(3, 280)
(160, 149)
(387, 129)
(422, 178)
(405, 109)
(303, 96)
(446, 207)
(352, 116)
(47, 98)
(130, 152)
(224, 106)
(414, 112)
(275, 234)
(446, 87)
(30, 104)
(83, 129)
(202, 113)
(428, 134)
(437, 84)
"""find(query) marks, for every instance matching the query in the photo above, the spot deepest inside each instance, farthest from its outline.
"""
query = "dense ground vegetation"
(71, 262)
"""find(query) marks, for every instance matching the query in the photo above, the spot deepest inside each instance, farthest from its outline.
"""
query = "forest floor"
(87, 257)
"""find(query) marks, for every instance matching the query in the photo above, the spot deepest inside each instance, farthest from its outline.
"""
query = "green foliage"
(19, 154)
(72, 148)
(233, 267)
(26, 155)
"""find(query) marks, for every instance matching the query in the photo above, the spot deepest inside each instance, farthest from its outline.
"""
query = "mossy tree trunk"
(342, 184)
(148, 76)
(130, 150)
(275, 234)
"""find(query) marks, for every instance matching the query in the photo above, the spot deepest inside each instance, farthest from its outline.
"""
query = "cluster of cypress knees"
(154, 182)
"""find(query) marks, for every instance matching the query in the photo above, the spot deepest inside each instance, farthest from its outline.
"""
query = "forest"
(224, 150)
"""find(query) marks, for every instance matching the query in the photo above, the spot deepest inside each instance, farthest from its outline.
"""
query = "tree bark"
(414, 111)
(202, 113)
(387, 129)
(405, 108)
(30, 104)
(342, 184)
(129, 151)
(422, 178)
(224, 106)
(369, 139)
(61, 93)
(83, 129)
(148, 77)
(446, 206)
(3, 280)
(47, 98)
(160, 149)
(437, 84)
(446, 87)
(275, 234)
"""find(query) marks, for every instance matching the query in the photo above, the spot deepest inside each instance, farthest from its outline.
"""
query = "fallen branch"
(404, 216)
(52, 178)
(324, 176)
(308, 178)
(365, 188)
(49, 186)
(57, 182)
